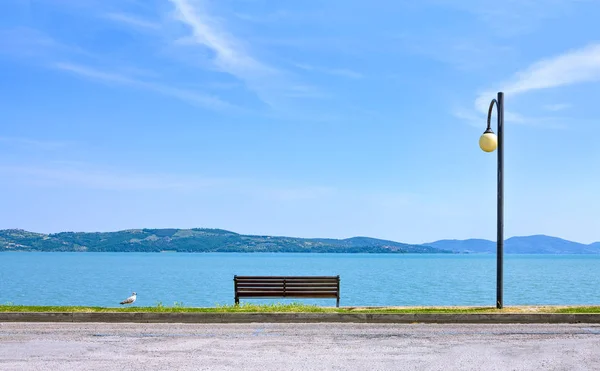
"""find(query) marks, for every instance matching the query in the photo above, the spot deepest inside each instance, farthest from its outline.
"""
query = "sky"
(299, 118)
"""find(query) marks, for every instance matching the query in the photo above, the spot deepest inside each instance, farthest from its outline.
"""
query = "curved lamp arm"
(489, 117)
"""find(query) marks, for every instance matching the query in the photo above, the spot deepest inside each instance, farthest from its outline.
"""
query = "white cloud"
(557, 107)
(276, 16)
(511, 18)
(132, 20)
(467, 53)
(109, 77)
(230, 56)
(576, 66)
(573, 67)
(305, 91)
(468, 116)
(300, 194)
(478, 120)
(29, 143)
(90, 176)
(25, 42)
(343, 72)
(107, 180)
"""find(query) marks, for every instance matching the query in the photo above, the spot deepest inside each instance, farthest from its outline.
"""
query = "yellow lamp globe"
(488, 141)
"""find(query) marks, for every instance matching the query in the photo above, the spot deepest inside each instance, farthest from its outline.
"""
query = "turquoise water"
(103, 279)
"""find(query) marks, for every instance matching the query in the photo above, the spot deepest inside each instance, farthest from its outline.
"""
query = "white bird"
(130, 300)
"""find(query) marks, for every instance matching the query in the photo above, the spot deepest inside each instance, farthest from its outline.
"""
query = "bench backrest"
(287, 286)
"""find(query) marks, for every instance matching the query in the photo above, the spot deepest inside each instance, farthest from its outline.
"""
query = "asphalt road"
(321, 346)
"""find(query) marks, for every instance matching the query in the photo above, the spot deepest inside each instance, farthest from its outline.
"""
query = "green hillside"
(194, 240)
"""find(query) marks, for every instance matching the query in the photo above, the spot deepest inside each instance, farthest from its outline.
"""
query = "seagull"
(130, 300)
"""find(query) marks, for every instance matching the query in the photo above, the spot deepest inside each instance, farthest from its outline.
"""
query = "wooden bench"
(287, 287)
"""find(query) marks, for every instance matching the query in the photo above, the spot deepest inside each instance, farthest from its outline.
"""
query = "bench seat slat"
(296, 295)
(287, 282)
(289, 279)
(284, 292)
(308, 289)
(287, 287)
(286, 277)
(243, 285)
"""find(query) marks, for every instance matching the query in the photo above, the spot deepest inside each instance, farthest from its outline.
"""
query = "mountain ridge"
(533, 244)
(195, 240)
(221, 240)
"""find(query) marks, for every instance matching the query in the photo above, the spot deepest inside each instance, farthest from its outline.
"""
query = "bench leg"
(237, 301)
(337, 302)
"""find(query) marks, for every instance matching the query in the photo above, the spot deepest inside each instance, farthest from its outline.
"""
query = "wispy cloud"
(511, 18)
(108, 180)
(557, 107)
(299, 193)
(478, 120)
(115, 78)
(91, 176)
(282, 16)
(25, 42)
(230, 55)
(343, 72)
(275, 16)
(573, 67)
(466, 53)
(305, 91)
(36, 144)
(132, 20)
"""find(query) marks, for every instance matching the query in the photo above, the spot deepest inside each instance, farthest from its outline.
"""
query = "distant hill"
(195, 240)
(595, 245)
(465, 246)
(219, 240)
(538, 244)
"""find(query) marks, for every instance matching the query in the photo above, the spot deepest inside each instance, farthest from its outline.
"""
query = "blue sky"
(302, 118)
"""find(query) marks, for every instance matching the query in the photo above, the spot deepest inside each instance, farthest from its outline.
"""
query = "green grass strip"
(297, 308)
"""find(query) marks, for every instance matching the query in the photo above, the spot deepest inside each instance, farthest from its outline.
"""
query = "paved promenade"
(321, 346)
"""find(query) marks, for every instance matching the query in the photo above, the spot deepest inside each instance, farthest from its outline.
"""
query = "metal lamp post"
(489, 142)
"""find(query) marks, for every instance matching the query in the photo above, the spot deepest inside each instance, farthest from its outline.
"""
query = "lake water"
(103, 279)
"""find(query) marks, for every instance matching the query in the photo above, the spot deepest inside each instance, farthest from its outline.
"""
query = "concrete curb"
(143, 317)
